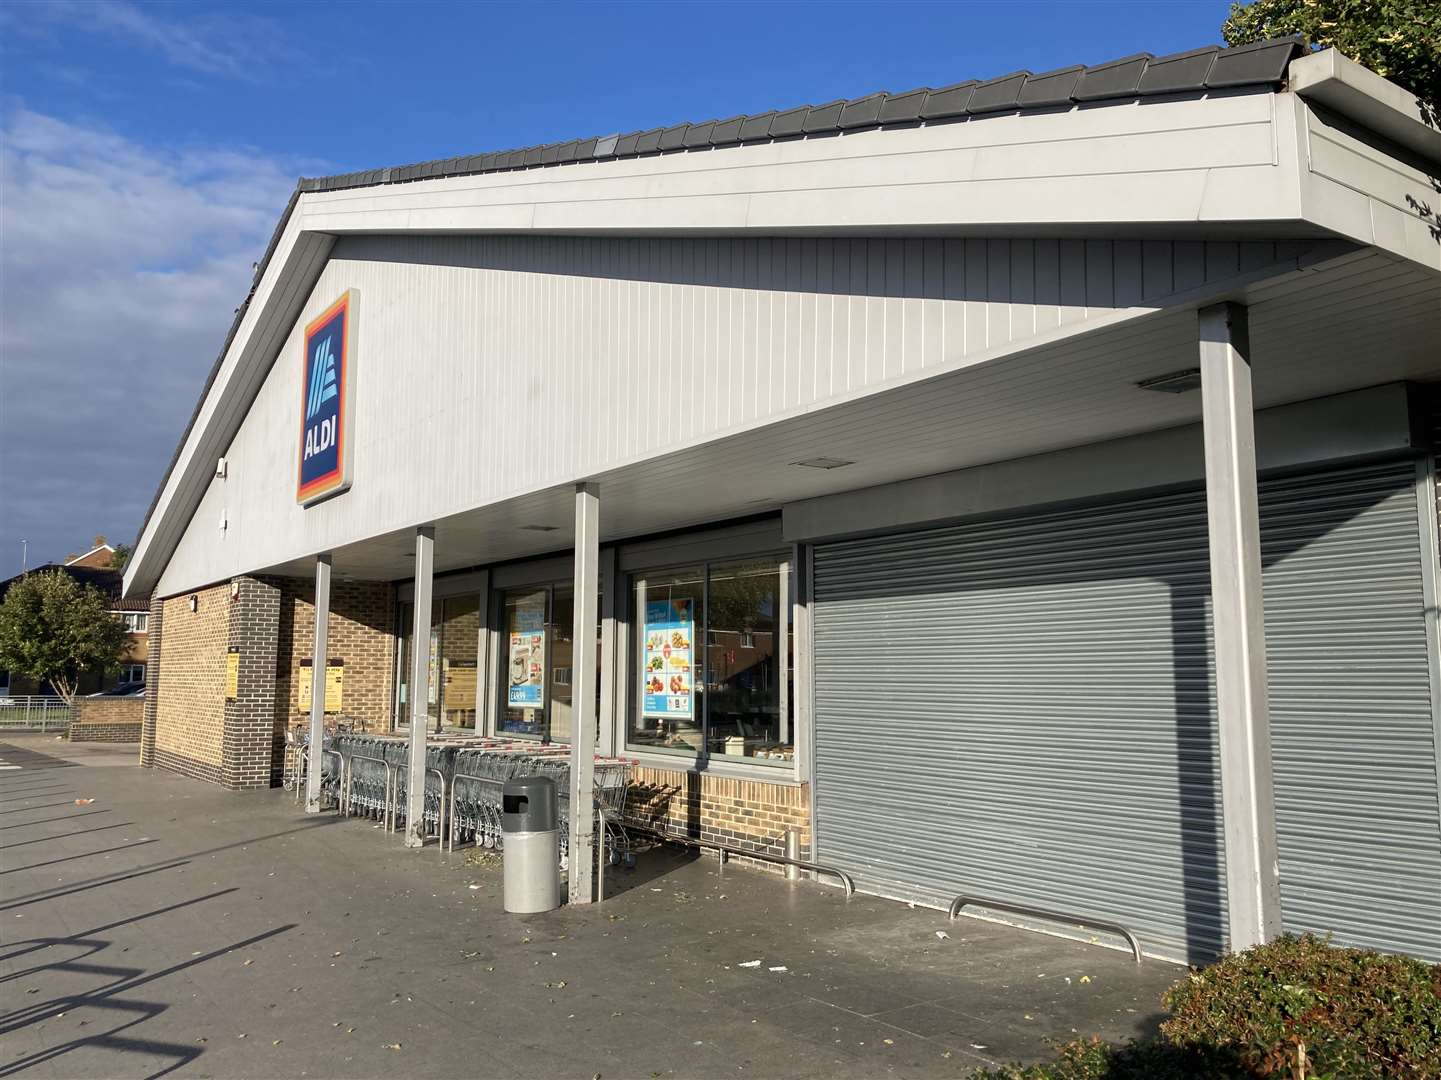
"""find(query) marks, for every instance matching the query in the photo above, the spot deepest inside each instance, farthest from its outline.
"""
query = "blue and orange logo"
(325, 404)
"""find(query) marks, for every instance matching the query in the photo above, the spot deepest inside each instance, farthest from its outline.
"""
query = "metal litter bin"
(530, 820)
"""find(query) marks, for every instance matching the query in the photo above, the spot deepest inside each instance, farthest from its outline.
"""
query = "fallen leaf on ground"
(750, 963)
(83, 802)
(942, 935)
(392, 1046)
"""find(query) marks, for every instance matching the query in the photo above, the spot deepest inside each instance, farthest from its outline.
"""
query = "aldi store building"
(1023, 488)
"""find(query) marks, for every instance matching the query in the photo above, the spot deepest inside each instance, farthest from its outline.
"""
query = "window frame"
(789, 667)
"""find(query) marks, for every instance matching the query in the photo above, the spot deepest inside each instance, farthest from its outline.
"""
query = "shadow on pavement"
(108, 996)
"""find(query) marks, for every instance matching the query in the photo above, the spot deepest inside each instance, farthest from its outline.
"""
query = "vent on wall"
(1177, 382)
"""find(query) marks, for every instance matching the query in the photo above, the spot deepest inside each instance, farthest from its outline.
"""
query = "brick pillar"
(249, 716)
(152, 682)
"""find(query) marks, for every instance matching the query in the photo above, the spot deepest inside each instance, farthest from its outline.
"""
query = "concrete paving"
(169, 927)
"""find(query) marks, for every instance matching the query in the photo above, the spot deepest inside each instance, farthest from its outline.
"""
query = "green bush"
(1299, 1008)
(1092, 1059)
(1343, 1012)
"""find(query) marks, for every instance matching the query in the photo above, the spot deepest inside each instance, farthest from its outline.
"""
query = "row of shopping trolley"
(369, 776)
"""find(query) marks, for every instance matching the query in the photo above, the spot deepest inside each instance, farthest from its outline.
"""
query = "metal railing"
(388, 802)
(846, 881)
(34, 712)
(303, 780)
(1052, 916)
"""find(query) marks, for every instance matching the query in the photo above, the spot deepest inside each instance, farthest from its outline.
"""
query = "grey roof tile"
(1261, 62)
(1050, 88)
(948, 101)
(862, 112)
(1119, 78)
(1178, 72)
(904, 108)
(758, 127)
(587, 149)
(625, 144)
(649, 141)
(699, 134)
(998, 95)
(790, 122)
(673, 138)
(825, 117)
(726, 132)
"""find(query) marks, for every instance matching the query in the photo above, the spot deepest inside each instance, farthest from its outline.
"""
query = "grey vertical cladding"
(1024, 707)
(254, 629)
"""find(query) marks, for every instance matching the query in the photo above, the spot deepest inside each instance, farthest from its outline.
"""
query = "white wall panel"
(492, 366)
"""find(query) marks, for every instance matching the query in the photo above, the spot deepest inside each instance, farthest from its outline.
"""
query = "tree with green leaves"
(53, 629)
(1397, 39)
(121, 557)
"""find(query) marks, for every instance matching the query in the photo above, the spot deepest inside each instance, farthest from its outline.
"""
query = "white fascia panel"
(1157, 162)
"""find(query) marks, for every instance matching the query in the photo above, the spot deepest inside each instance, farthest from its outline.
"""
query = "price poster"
(668, 689)
(526, 682)
(334, 685)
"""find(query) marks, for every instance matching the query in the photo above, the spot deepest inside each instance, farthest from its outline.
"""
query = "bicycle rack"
(1054, 916)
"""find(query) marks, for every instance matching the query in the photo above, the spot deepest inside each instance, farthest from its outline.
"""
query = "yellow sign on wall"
(232, 673)
(334, 685)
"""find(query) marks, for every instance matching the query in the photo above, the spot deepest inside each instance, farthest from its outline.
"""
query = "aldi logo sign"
(326, 386)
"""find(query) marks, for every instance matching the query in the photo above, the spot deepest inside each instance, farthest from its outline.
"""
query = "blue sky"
(150, 148)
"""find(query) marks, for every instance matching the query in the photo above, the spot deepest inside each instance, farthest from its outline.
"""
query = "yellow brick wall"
(750, 814)
(361, 632)
(190, 706)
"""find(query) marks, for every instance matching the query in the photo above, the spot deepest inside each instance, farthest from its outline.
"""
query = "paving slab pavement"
(168, 927)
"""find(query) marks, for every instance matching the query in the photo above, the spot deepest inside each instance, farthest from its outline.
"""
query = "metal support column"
(1247, 796)
(581, 873)
(317, 683)
(419, 686)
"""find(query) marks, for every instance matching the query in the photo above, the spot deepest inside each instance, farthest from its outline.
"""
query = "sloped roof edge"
(1258, 65)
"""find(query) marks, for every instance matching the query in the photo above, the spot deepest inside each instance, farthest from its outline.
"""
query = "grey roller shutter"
(1352, 728)
(1024, 708)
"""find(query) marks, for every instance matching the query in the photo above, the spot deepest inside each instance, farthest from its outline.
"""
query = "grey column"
(582, 699)
(317, 682)
(419, 686)
(1248, 802)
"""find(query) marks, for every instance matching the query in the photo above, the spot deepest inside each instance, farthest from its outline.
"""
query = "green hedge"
(1298, 1008)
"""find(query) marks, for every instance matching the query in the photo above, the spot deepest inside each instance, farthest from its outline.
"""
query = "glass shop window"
(537, 632)
(454, 647)
(728, 698)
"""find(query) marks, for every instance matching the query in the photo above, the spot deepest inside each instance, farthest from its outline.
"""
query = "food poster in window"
(526, 687)
(666, 666)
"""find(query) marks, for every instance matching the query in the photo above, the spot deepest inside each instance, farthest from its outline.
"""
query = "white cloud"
(120, 269)
(232, 44)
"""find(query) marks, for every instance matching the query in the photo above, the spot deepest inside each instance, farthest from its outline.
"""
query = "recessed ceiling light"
(1177, 382)
(540, 528)
(823, 463)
